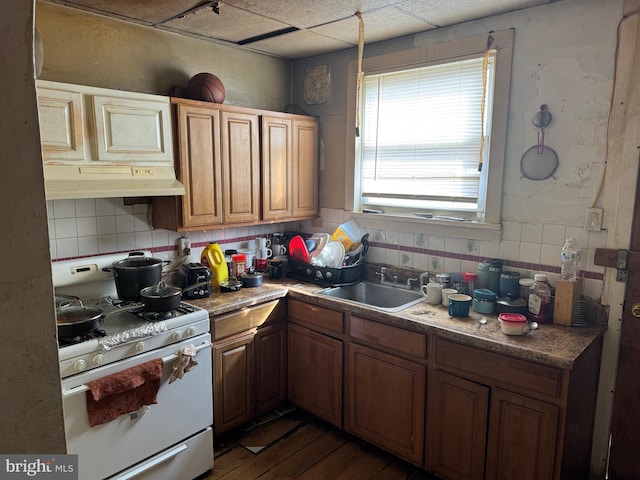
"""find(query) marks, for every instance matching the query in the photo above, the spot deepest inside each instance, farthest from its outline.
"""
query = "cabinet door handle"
(635, 310)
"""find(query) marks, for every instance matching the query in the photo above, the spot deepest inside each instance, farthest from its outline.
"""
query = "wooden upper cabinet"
(276, 168)
(305, 167)
(199, 165)
(61, 125)
(240, 166)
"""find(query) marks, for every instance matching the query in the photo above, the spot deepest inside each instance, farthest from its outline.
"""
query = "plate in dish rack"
(336, 250)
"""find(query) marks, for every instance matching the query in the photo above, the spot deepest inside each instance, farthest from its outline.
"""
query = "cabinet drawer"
(389, 337)
(248, 318)
(497, 369)
(315, 316)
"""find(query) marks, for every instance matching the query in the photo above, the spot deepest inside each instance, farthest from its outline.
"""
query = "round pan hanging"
(540, 161)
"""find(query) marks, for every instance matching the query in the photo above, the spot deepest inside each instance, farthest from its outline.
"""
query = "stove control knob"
(191, 331)
(176, 336)
(139, 346)
(98, 359)
(79, 365)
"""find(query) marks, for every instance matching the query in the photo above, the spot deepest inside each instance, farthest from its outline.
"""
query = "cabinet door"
(305, 167)
(315, 373)
(270, 368)
(129, 130)
(199, 165)
(457, 428)
(276, 168)
(522, 437)
(386, 401)
(233, 378)
(240, 166)
(61, 124)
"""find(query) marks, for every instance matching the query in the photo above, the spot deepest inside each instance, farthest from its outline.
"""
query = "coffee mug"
(261, 264)
(445, 295)
(279, 249)
(433, 292)
(263, 253)
(459, 304)
(262, 243)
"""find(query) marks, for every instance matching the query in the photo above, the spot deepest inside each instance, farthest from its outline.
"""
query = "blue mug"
(459, 305)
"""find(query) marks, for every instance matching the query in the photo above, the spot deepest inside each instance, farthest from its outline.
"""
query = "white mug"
(445, 295)
(433, 292)
(263, 253)
(279, 249)
(262, 243)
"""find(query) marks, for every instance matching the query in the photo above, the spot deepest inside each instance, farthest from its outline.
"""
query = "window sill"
(430, 226)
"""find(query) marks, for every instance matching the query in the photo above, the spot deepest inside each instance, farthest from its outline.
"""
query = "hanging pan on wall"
(540, 161)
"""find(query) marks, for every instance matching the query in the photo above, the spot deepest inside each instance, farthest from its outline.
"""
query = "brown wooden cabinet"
(249, 374)
(240, 166)
(315, 360)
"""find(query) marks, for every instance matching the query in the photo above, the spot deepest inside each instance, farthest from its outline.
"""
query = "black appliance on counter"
(194, 274)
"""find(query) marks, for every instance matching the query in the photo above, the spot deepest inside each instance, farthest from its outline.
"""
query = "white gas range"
(169, 439)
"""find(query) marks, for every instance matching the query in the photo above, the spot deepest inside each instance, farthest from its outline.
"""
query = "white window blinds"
(422, 134)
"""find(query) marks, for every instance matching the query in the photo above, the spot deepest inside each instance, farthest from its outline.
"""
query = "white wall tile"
(587, 264)
(87, 226)
(490, 249)
(529, 252)
(392, 257)
(553, 234)
(105, 206)
(140, 224)
(596, 240)
(107, 243)
(51, 225)
(392, 237)
(53, 250)
(379, 236)
(88, 246)
(580, 234)
(509, 250)
(67, 247)
(421, 261)
(453, 245)
(143, 240)
(124, 224)
(121, 208)
(471, 246)
(531, 233)
(468, 266)
(406, 259)
(141, 208)
(436, 264)
(511, 231)
(85, 207)
(106, 224)
(421, 240)
(64, 209)
(126, 241)
(550, 255)
(436, 243)
(160, 237)
(593, 288)
(66, 228)
(406, 239)
(452, 265)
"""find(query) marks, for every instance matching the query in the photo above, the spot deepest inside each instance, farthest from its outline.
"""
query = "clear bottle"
(540, 300)
(570, 258)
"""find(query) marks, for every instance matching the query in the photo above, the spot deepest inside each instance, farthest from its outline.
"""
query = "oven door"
(184, 409)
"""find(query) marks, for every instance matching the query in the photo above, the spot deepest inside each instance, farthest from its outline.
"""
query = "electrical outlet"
(184, 246)
(593, 222)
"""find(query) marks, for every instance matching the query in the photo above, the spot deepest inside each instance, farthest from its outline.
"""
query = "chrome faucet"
(394, 280)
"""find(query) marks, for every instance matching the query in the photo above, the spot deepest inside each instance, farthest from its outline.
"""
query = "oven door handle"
(140, 469)
(167, 359)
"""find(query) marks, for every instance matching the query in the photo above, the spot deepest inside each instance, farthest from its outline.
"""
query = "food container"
(513, 323)
(484, 300)
(511, 305)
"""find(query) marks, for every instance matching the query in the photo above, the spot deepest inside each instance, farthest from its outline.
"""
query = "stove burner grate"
(67, 341)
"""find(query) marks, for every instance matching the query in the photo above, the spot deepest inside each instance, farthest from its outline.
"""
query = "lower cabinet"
(249, 375)
(385, 401)
(315, 373)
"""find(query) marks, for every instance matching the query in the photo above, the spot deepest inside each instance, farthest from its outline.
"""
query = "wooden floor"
(290, 444)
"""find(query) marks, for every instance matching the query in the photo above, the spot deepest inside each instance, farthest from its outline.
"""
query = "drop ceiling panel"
(300, 44)
(232, 24)
(308, 13)
(378, 25)
(148, 12)
(441, 13)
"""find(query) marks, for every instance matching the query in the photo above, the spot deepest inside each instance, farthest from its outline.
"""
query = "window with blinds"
(424, 135)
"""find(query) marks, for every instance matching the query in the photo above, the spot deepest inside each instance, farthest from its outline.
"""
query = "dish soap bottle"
(213, 257)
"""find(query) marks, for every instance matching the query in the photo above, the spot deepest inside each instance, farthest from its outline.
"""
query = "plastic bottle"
(540, 300)
(570, 258)
(213, 258)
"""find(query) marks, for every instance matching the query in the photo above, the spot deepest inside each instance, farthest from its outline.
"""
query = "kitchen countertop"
(550, 344)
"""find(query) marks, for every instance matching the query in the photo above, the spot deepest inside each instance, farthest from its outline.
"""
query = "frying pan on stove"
(75, 320)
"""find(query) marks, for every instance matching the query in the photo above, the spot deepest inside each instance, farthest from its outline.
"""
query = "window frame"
(502, 43)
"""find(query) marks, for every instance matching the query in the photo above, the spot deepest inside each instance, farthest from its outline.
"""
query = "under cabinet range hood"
(71, 182)
(99, 142)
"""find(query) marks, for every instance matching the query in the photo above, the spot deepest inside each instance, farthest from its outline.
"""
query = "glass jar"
(540, 300)
(525, 287)
(239, 262)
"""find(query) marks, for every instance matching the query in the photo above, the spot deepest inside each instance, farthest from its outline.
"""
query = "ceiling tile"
(232, 24)
(379, 25)
(300, 44)
(307, 13)
(144, 11)
(441, 13)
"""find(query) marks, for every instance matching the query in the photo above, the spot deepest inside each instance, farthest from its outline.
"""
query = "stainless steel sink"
(374, 295)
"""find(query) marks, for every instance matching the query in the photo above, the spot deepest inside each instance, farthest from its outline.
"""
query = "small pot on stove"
(161, 297)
